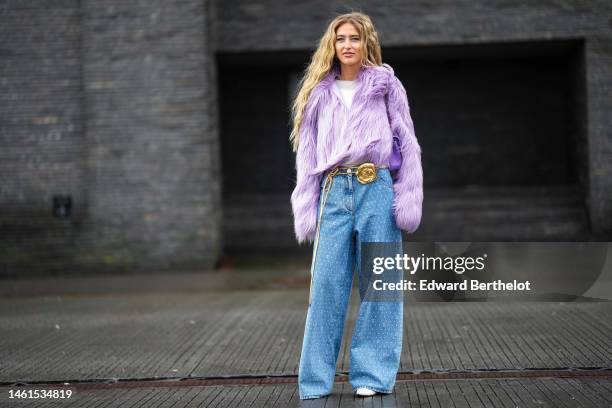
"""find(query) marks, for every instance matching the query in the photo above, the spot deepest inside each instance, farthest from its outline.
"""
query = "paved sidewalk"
(99, 333)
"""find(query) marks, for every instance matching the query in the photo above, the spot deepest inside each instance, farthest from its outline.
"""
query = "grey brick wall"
(276, 25)
(599, 125)
(152, 165)
(114, 103)
(42, 139)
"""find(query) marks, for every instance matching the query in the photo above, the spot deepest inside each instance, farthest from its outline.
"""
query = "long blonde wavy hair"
(324, 58)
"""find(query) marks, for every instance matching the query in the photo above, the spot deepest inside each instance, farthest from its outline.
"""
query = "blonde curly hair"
(324, 58)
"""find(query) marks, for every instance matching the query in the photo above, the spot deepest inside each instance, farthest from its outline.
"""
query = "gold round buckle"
(366, 173)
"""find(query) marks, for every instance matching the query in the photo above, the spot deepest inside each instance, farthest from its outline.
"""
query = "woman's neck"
(349, 72)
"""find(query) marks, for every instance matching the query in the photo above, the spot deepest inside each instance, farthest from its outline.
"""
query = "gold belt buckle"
(366, 173)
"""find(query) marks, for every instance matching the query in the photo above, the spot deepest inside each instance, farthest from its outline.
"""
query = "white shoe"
(365, 392)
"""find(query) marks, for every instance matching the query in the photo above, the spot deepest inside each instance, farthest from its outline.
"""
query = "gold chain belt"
(365, 172)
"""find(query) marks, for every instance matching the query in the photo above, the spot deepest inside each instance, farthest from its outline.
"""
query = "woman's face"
(348, 44)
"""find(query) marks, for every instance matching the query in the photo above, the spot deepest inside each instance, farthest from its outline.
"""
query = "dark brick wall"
(152, 161)
(114, 103)
(42, 142)
(599, 126)
(245, 25)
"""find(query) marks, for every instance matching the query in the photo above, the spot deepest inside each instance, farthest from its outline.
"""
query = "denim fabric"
(353, 213)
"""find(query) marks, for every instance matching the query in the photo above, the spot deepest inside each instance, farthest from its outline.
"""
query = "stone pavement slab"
(259, 332)
(237, 326)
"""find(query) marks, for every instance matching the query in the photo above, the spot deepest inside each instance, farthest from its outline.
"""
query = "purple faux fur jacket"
(372, 124)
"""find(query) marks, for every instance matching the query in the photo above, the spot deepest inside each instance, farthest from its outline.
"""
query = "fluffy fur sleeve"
(305, 196)
(408, 185)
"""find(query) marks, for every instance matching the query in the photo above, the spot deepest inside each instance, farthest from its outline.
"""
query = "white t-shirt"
(347, 90)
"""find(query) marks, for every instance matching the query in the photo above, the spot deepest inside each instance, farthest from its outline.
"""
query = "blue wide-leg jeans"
(350, 213)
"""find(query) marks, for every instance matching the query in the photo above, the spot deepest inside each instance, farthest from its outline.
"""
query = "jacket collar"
(372, 80)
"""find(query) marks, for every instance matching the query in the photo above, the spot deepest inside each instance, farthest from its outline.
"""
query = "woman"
(359, 179)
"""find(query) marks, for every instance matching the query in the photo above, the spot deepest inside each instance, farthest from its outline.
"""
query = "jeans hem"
(313, 396)
(374, 389)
